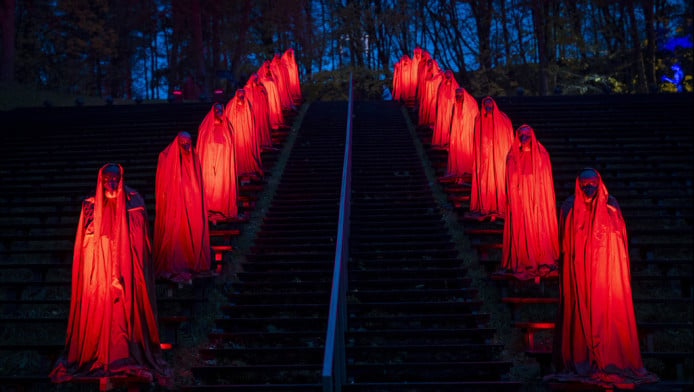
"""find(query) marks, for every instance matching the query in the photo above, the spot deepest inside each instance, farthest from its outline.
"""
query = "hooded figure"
(402, 85)
(460, 153)
(595, 338)
(257, 98)
(414, 75)
(429, 86)
(428, 112)
(421, 75)
(273, 98)
(289, 63)
(397, 80)
(530, 244)
(112, 324)
(445, 99)
(215, 148)
(492, 140)
(181, 232)
(240, 116)
(279, 74)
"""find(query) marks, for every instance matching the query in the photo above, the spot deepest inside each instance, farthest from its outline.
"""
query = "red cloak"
(215, 148)
(460, 152)
(112, 324)
(492, 140)
(257, 98)
(240, 116)
(530, 242)
(289, 63)
(273, 98)
(414, 76)
(280, 79)
(405, 87)
(397, 80)
(181, 232)
(445, 98)
(430, 84)
(422, 68)
(596, 338)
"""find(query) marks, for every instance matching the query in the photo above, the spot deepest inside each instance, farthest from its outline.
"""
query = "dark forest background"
(144, 49)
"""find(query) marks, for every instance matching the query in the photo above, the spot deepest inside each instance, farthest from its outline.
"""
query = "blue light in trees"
(681, 42)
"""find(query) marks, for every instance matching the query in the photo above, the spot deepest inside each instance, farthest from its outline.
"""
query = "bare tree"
(482, 11)
(505, 32)
(540, 13)
(649, 56)
(7, 50)
(640, 70)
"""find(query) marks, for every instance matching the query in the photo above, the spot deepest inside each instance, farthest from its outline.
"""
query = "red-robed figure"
(421, 75)
(460, 152)
(257, 98)
(281, 79)
(397, 80)
(414, 75)
(240, 116)
(445, 99)
(403, 84)
(289, 62)
(273, 98)
(112, 324)
(492, 140)
(530, 241)
(595, 339)
(427, 109)
(215, 148)
(181, 232)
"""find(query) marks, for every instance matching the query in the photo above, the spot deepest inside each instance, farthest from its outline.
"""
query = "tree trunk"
(649, 57)
(575, 19)
(539, 15)
(241, 32)
(482, 12)
(641, 84)
(216, 22)
(197, 56)
(382, 37)
(521, 47)
(504, 29)
(7, 49)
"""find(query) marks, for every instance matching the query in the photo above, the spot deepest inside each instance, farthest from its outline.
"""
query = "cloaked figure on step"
(460, 144)
(445, 99)
(404, 86)
(595, 341)
(415, 60)
(276, 117)
(492, 140)
(215, 146)
(279, 74)
(246, 140)
(433, 76)
(421, 75)
(112, 323)
(181, 231)
(530, 241)
(289, 63)
(258, 99)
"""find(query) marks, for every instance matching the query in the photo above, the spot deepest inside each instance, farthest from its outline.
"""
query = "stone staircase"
(644, 149)
(270, 332)
(418, 313)
(415, 322)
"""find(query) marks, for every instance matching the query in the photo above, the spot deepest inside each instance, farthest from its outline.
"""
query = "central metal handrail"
(334, 366)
